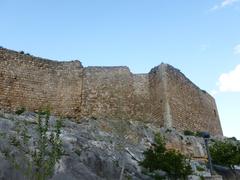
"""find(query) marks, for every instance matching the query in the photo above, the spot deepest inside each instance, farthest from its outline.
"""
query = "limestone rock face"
(97, 148)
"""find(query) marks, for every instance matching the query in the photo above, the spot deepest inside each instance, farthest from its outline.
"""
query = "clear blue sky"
(200, 38)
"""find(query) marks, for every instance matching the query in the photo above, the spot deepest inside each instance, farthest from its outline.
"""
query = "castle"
(164, 96)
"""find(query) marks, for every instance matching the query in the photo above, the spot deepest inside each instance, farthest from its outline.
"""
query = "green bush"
(225, 153)
(191, 133)
(20, 111)
(199, 168)
(199, 134)
(172, 162)
(188, 133)
(48, 149)
(233, 138)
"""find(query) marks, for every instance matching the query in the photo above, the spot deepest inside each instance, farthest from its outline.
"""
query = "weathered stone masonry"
(164, 96)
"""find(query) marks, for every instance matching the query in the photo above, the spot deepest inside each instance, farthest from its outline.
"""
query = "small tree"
(172, 162)
(154, 155)
(176, 165)
(226, 153)
(41, 160)
(49, 149)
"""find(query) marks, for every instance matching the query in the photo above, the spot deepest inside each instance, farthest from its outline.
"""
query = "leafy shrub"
(225, 153)
(199, 134)
(191, 133)
(40, 160)
(233, 138)
(188, 133)
(21, 52)
(49, 149)
(20, 111)
(172, 162)
(199, 168)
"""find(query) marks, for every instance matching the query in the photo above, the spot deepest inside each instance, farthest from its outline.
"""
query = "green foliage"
(199, 168)
(191, 133)
(20, 111)
(154, 155)
(233, 138)
(40, 160)
(199, 134)
(225, 153)
(14, 141)
(172, 162)
(49, 149)
(188, 133)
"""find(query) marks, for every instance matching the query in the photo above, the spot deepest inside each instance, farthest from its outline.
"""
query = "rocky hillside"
(94, 149)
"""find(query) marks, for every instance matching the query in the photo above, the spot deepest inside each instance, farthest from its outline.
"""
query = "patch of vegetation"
(128, 177)
(21, 52)
(175, 164)
(199, 168)
(49, 149)
(10, 157)
(39, 160)
(233, 138)
(191, 133)
(226, 153)
(188, 133)
(14, 141)
(20, 110)
(199, 134)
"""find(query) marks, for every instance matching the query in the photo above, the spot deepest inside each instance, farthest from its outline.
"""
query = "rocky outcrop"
(98, 148)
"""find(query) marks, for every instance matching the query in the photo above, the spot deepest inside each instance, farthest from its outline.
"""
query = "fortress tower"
(164, 96)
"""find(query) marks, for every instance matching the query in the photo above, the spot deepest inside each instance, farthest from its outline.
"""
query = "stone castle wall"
(164, 96)
(191, 107)
(107, 92)
(115, 92)
(31, 82)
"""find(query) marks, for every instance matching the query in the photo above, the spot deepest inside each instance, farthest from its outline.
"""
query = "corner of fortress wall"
(191, 108)
(164, 96)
